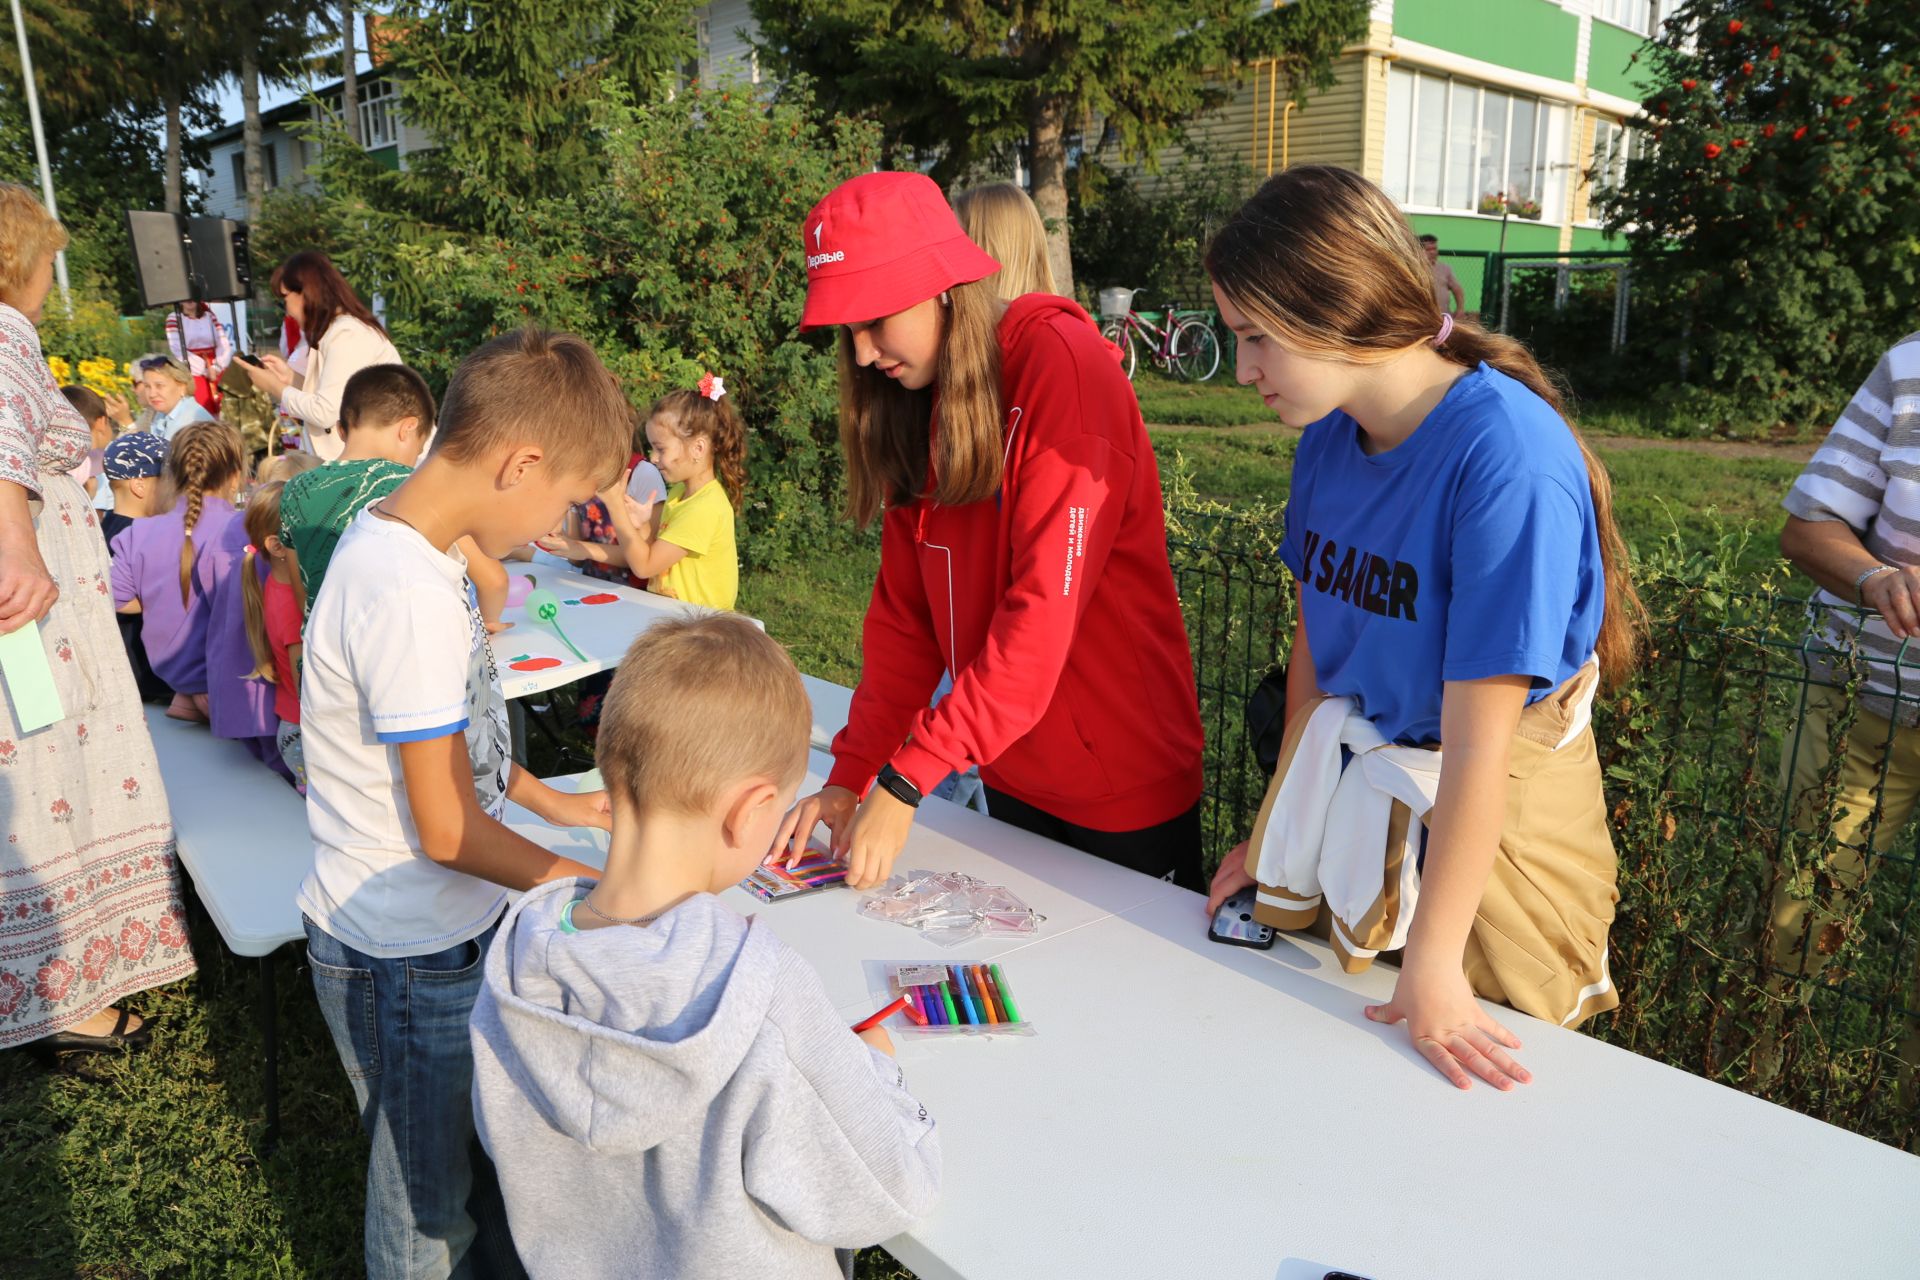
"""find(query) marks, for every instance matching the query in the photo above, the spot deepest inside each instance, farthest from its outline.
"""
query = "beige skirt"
(1539, 938)
(90, 908)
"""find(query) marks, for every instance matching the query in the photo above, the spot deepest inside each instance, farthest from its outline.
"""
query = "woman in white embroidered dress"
(90, 909)
(198, 340)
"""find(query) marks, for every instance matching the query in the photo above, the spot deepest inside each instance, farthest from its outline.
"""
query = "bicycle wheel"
(1196, 351)
(1118, 334)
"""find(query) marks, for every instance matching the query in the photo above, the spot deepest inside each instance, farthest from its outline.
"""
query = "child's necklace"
(384, 510)
(587, 902)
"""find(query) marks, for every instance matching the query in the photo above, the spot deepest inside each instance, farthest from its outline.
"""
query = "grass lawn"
(152, 1167)
(1219, 402)
(1656, 490)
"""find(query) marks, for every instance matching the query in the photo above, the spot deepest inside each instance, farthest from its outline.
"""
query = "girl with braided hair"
(153, 574)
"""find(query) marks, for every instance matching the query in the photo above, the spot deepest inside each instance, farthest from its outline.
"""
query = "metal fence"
(1715, 843)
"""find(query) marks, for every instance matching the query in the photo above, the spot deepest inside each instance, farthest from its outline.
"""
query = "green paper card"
(29, 677)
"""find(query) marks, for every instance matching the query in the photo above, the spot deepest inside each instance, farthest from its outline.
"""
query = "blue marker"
(966, 1001)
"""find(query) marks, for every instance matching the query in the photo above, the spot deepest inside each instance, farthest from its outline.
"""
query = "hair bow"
(713, 386)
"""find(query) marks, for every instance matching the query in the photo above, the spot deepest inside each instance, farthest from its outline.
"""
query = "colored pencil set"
(816, 871)
(958, 997)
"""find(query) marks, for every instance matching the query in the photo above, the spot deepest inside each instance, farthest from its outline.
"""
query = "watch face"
(897, 785)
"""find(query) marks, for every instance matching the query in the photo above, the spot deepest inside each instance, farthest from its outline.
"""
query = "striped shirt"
(1867, 474)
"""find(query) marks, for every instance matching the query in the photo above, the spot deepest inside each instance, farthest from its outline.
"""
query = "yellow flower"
(61, 369)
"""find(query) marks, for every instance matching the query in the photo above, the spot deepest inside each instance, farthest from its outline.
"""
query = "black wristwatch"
(895, 784)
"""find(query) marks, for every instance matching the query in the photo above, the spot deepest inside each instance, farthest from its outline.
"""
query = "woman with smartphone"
(345, 338)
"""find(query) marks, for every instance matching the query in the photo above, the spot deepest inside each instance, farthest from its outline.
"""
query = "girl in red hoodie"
(1023, 548)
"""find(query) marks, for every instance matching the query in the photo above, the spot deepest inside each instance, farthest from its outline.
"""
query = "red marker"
(880, 1017)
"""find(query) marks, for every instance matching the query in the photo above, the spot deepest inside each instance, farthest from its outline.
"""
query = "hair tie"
(252, 550)
(713, 386)
(1446, 328)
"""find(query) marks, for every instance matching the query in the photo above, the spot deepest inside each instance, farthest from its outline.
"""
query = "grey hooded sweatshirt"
(682, 1101)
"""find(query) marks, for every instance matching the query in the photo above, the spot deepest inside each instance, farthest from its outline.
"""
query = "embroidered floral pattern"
(54, 978)
(135, 938)
(12, 991)
(61, 810)
(130, 788)
(99, 955)
(173, 928)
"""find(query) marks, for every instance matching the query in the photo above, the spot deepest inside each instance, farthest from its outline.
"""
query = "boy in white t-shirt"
(405, 731)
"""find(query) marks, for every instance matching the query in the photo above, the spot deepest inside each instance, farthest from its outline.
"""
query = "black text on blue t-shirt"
(1361, 578)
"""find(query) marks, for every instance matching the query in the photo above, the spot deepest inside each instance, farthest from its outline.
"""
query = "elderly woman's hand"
(117, 410)
(27, 591)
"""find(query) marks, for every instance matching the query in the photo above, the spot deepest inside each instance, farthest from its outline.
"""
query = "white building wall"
(728, 53)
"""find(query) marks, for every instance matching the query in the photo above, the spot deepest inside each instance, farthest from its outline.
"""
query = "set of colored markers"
(962, 997)
(816, 871)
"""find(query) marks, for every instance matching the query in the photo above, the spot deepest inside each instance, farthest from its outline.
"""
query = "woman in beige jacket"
(344, 336)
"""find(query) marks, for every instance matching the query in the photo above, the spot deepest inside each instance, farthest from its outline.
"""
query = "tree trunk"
(173, 148)
(349, 74)
(1047, 147)
(250, 130)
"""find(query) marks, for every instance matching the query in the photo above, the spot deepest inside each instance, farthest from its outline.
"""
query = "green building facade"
(1493, 123)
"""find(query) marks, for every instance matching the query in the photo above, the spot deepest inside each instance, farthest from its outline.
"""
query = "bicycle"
(1185, 346)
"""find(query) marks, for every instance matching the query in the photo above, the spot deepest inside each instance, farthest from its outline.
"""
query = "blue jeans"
(400, 1027)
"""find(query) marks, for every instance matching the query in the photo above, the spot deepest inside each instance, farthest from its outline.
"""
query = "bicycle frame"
(1160, 345)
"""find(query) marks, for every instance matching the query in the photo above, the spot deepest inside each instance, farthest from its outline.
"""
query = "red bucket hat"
(880, 243)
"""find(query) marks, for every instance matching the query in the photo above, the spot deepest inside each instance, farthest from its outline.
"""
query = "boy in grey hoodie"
(664, 1086)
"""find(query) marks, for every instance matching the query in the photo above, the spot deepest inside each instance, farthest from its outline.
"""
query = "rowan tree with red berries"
(1776, 217)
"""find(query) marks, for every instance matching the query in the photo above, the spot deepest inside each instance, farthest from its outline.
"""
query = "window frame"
(1618, 13)
(1550, 116)
(379, 101)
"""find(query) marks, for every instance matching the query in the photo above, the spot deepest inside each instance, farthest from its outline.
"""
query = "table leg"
(270, 1029)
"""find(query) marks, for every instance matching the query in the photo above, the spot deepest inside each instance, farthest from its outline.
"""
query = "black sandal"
(118, 1038)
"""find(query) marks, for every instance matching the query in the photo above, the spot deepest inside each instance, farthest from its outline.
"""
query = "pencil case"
(954, 999)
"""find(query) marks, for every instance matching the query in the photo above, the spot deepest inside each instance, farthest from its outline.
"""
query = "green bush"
(1151, 233)
(95, 329)
(682, 258)
(1775, 219)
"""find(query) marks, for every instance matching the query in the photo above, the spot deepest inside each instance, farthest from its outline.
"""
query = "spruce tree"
(958, 82)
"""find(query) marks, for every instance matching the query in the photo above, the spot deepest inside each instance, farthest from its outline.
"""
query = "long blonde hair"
(1323, 261)
(892, 436)
(263, 522)
(1002, 219)
(206, 457)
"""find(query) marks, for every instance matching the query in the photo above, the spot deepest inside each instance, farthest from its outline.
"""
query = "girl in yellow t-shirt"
(685, 545)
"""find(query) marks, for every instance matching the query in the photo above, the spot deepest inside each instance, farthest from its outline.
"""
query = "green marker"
(1005, 993)
(946, 998)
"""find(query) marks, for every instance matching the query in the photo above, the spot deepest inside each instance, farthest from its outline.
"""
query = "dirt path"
(1796, 451)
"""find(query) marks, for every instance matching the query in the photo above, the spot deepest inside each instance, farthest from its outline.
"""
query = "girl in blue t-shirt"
(1462, 583)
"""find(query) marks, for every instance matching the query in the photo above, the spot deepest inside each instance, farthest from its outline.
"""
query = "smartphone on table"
(1234, 925)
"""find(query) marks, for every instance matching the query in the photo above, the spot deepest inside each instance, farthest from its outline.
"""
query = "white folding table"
(240, 832)
(601, 618)
(1191, 1109)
